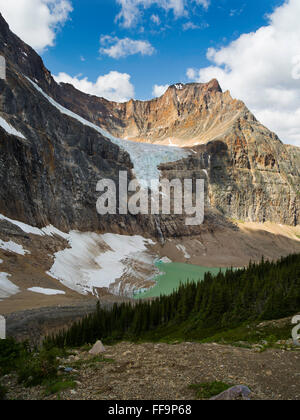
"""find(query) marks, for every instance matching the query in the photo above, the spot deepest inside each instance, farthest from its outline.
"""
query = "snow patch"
(47, 292)
(165, 260)
(7, 288)
(92, 260)
(52, 231)
(95, 261)
(182, 248)
(145, 157)
(1, 261)
(10, 129)
(25, 228)
(13, 247)
(48, 230)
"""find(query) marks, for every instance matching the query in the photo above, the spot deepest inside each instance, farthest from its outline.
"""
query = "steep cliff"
(49, 173)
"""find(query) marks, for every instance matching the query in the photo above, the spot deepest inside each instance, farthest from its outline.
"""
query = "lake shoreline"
(172, 275)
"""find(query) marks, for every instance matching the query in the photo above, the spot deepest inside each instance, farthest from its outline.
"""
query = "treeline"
(265, 291)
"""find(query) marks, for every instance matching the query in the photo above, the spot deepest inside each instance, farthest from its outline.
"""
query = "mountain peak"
(213, 86)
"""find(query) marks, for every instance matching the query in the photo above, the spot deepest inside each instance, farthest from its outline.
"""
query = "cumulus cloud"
(132, 10)
(36, 21)
(159, 90)
(121, 48)
(113, 86)
(263, 69)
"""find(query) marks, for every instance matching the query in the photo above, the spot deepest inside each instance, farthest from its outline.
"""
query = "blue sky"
(122, 49)
(176, 49)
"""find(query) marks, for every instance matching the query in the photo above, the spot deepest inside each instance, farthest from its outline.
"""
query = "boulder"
(97, 349)
(239, 392)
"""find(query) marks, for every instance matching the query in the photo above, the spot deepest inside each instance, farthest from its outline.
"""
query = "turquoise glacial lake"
(174, 274)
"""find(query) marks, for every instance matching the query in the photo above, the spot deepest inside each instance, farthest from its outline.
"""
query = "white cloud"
(263, 69)
(159, 90)
(113, 86)
(191, 26)
(204, 3)
(132, 10)
(36, 21)
(120, 48)
(155, 19)
(192, 74)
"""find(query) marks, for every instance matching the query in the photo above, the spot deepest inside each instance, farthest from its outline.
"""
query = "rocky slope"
(166, 371)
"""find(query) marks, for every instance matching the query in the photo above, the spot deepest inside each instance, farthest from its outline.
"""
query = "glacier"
(145, 157)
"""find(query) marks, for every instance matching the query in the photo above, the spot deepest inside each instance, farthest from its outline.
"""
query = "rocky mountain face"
(251, 175)
(49, 176)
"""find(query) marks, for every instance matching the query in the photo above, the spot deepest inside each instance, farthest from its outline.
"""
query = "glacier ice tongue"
(145, 157)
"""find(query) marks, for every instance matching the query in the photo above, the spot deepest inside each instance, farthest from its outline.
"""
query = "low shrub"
(208, 390)
(37, 368)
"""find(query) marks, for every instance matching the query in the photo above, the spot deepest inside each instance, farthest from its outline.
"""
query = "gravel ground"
(164, 372)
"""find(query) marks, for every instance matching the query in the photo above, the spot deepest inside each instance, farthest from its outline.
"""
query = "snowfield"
(96, 261)
(47, 292)
(7, 288)
(93, 260)
(10, 129)
(145, 157)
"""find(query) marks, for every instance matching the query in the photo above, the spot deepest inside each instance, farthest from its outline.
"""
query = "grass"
(247, 335)
(91, 362)
(86, 347)
(208, 390)
(59, 386)
(68, 381)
